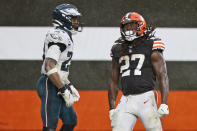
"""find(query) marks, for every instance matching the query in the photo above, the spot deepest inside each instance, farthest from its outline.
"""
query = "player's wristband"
(51, 71)
(61, 90)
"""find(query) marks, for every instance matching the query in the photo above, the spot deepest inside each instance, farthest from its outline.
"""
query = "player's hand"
(113, 117)
(111, 114)
(66, 93)
(75, 93)
(163, 110)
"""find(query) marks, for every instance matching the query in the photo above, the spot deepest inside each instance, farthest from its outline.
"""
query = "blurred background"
(24, 24)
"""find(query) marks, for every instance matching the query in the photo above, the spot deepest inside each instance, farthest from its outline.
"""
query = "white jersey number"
(124, 69)
(66, 64)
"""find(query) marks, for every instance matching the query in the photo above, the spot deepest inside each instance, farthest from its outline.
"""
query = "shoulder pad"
(58, 36)
(158, 45)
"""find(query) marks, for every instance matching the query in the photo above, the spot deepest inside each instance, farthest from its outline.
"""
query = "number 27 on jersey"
(124, 69)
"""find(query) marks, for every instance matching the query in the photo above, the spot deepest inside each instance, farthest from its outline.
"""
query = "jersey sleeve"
(111, 54)
(53, 52)
(158, 45)
(112, 51)
(115, 52)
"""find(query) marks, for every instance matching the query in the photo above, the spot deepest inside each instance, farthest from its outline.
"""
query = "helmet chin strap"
(130, 35)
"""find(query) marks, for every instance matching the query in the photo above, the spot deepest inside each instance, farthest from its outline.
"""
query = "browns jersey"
(136, 70)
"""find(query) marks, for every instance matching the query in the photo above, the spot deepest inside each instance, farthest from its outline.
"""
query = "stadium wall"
(102, 13)
(23, 27)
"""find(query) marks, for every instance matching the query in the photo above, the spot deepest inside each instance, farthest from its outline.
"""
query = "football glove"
(163, 110)
(111, 113)
(113, 117)
(69, 93)
(75, 93)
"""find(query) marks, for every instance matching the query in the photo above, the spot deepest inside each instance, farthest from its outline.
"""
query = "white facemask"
(130, 35)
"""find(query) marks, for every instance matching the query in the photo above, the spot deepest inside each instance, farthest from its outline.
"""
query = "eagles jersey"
(58, 45)
(136, 70)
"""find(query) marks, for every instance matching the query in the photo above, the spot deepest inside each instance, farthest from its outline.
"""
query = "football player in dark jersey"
(137, 60)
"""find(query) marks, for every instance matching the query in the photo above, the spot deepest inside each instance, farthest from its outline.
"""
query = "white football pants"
(132, 107)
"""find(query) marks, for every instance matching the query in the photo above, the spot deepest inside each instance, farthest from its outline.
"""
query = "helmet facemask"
(76, 25)
(129, 30)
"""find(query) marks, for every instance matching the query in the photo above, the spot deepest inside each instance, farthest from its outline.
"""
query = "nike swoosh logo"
(146, 101)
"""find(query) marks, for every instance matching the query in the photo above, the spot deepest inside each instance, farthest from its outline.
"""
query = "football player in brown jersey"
(137, 60)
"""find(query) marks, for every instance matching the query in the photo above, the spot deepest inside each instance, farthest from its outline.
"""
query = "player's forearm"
(164, 88)
(112, 95)
(50, 65)
(56, 80)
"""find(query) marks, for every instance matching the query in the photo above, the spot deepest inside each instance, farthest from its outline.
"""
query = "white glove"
(163, 110)
(68, 97)
(111, 114)
(70, 94)
(75, 93)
